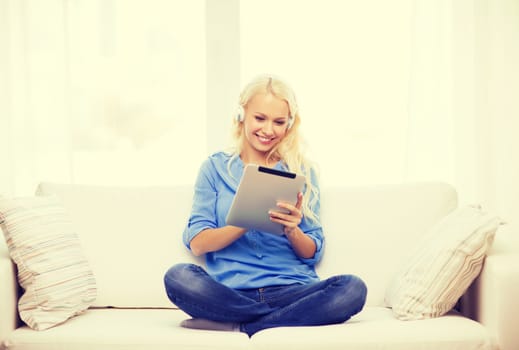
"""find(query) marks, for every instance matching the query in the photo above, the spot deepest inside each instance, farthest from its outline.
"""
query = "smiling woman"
(244, 265)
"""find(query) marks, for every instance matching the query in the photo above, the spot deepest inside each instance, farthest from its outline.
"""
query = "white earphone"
(240, 116)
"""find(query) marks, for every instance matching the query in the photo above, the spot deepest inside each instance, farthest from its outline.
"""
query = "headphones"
(240, 116)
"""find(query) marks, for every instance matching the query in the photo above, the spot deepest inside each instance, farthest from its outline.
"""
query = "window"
(137, 90)
(349, 66)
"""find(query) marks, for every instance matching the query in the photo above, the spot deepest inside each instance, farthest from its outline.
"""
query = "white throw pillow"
(446, 262)
(52, 269)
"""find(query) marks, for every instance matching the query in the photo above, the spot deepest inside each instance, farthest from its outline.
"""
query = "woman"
(257, 280)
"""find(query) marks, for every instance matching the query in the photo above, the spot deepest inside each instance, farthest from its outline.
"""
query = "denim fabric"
(330, 301)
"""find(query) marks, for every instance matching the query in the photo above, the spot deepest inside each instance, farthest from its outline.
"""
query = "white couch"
(131, 236)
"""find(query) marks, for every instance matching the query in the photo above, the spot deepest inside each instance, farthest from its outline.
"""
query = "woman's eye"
(280, 122)
(259, 118)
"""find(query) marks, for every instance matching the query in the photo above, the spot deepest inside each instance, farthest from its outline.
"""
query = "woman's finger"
(299, 203)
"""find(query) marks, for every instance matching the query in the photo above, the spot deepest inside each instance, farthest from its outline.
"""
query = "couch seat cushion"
(125, 329)
(373, 328)
(377, 328)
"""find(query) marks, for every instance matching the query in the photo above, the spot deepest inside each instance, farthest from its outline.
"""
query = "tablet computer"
(258, 192)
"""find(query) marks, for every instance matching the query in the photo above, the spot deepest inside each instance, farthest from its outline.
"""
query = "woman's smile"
(264, 139)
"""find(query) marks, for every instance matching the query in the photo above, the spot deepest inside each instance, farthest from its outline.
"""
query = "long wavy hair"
(288, 150)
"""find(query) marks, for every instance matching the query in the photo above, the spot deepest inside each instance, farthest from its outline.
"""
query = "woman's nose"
(267, 128)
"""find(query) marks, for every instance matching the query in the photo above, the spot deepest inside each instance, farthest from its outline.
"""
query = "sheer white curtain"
(395, 91)
(34, 128)
(104, 92)
(463, 112)
(138, 92)
(348, 62)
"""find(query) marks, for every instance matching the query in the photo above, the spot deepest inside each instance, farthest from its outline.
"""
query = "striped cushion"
(52, 269)
(444, 265)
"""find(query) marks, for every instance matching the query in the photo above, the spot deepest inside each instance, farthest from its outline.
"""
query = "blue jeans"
(333, 300)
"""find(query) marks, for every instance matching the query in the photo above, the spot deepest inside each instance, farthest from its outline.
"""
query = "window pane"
(348, 62)
(137, 90)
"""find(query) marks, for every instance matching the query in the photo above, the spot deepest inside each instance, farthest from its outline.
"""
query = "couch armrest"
(8, 297)
(492, 298)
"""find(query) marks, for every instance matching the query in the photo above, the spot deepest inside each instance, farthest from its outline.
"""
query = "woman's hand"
(303, 245)
(290, 220)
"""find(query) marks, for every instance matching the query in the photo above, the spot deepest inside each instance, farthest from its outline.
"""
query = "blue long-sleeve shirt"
(257, 259)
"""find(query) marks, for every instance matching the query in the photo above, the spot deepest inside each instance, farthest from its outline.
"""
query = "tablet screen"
(258, 192)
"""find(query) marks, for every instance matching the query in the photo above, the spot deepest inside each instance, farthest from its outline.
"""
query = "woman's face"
(265, 123)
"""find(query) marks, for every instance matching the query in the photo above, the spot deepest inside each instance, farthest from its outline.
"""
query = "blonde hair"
(288, 150)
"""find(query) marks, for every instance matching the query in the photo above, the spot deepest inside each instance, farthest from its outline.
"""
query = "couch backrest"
(132, 235)
(370, 230)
